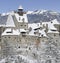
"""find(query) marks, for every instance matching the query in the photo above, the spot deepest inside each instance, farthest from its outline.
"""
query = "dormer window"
(9, 32)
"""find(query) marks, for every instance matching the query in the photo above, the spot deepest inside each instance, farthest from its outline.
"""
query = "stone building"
(16, 30)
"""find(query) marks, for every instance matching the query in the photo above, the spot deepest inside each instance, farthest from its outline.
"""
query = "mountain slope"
(42, 15)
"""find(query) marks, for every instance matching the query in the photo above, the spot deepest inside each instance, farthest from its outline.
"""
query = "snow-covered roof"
(6, 21)
(20, 7)
(42, 33)
(50, 25)
(21, 18)
(51, 31)
(10, 31)
(32, 33)
(34, 25)
(23, 30)
(10, 22)
(55, 21)
(37, 25)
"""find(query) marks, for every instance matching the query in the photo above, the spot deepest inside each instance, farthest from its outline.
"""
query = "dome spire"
(20, 7)
(20, 10)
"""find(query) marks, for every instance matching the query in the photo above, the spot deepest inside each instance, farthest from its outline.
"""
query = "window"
(25, 25)
(8, 37)
(15, 37)
(25, 29)
(34, 32)
(21, 25)
(9, 32)
(20, 40)
(19, 18)
(23, 19)
(56, 40)
(29, 48)
(19, 47)
(54, 34)
(42, 35)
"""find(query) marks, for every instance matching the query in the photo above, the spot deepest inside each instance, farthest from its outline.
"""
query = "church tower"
(20, 10)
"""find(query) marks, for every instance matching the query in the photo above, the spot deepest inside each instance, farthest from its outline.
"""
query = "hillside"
(42, 15)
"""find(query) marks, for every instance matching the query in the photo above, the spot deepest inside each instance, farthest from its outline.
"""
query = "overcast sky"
(9, 5)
